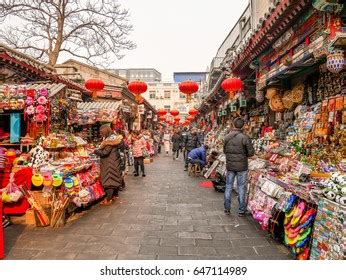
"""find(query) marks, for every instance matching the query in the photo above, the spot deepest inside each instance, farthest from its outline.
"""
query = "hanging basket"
(271, 92)
(287, 100)
(298, 93)
(335, 62)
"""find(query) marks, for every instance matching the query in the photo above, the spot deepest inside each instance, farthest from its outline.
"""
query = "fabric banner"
(15, 128)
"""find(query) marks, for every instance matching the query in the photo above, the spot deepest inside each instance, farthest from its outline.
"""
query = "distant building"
(166, 95)
(194, 76)
(143, 74)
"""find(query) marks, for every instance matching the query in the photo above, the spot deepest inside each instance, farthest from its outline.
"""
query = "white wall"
(175, 101)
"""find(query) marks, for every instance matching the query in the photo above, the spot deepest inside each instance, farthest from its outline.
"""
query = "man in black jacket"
(191, 142)
(237, 148)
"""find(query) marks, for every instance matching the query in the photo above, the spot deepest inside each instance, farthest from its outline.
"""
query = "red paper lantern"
(162, 118)
(161, 112)
(188, 88)
(137, 88)
(232, 85)
(189, 118)
(177, 118)
(174, 112)
(187, 122)
(94, 85)
(193, 112)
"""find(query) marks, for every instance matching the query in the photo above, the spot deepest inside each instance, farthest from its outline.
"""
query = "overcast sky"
(178, 35)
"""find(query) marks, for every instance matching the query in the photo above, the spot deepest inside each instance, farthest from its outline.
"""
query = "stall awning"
(98, 105)
(53, 88)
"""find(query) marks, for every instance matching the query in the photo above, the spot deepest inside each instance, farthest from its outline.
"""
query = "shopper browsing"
(237, 148)
(198, 156)
(110, 164)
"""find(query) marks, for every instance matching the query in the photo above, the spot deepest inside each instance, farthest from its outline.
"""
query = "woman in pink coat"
(138, 144)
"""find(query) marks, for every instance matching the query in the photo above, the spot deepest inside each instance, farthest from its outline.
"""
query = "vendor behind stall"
(110, 164)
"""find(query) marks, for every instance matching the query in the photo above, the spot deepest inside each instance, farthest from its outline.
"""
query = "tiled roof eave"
(277, 21)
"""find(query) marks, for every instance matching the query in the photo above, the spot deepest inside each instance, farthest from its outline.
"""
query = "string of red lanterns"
(137, 88)
(94, 85)
(188, 88)
(232, 85)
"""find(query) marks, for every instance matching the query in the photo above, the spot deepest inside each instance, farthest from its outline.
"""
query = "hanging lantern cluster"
(94, 85)
(232, 85)
(188, 88)
(193, 112)
(137, 88)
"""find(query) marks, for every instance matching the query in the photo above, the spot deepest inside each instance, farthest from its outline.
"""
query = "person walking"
(110, 164)
(191, 142)
(237, 148)
(138, 146)
(184, 134)
(176, 142)
(167, 142)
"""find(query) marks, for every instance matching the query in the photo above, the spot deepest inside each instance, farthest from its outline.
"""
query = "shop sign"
(141, 109)
(219, 113)
(242, 102)
(224, 112)
(233, 108)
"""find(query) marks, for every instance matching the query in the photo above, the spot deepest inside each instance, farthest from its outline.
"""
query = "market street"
(166, 215)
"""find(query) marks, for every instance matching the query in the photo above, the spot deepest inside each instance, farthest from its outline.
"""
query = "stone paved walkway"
(163, 216)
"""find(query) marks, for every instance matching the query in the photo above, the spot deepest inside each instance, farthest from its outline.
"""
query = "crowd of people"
(119, 150)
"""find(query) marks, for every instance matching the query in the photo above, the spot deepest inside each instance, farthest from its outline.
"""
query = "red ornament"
(174, 112)
(189, 88)
(193, 112)
(189, 118)
(176, 118)
(162, 118)
(161, 112)
(137, 88)
(94, 85)
(187, 122)
(232, 85)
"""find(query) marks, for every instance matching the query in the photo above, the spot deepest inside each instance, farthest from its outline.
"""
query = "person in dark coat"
(184, 134)
(176, 142)
(191, 142)
(237, 148)
(110, 164)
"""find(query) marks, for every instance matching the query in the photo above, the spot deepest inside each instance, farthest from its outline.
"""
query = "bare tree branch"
(94, 30)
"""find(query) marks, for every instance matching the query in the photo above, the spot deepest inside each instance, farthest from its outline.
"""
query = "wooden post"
(2, 245)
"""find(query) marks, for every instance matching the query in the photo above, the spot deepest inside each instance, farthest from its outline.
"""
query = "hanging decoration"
(162, 118)
(232, 85)
(188, 88)
(193, 112)
(162, 112)
(174, 112)
(335, 62)
(259, 96)
(190, 118)
(137, 88)
(94, 85)
(177, 119)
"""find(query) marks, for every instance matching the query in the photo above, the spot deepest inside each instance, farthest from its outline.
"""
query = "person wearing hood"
(191, 142)
(237, 148)
(110, 163)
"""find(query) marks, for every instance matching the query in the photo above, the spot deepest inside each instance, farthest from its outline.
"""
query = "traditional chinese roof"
(33, 69)
(278, 18)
